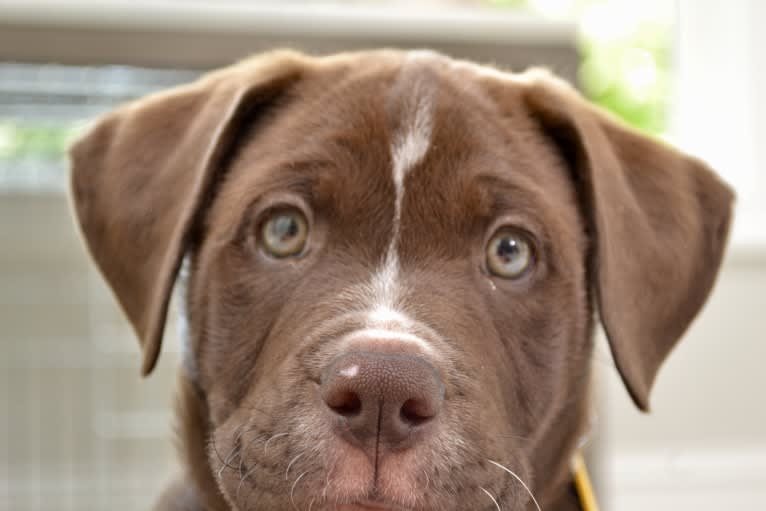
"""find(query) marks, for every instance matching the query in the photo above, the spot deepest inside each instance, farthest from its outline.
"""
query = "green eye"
(284, 233)
(509, 254)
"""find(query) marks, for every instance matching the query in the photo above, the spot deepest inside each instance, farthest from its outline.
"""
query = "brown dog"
(393, 265)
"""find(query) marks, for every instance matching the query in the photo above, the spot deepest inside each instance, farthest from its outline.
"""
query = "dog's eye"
(284, 233)
(509, 254)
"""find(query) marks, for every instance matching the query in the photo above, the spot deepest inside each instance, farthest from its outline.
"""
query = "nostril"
(415, 412)
(346, 403)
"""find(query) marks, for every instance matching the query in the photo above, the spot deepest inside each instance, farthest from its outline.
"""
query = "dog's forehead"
(421, 129)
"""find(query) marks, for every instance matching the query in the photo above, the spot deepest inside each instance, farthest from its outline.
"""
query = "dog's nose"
(381, 397)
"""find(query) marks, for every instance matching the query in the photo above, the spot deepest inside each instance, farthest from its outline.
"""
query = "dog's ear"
(142, 175)
(658, 222)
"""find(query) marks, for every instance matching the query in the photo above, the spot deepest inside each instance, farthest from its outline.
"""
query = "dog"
(392, 263)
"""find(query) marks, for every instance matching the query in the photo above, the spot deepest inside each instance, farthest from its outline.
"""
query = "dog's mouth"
(342, 494)
(345, 479)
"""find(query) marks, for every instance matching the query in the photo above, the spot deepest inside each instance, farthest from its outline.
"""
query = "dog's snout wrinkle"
(378, 400)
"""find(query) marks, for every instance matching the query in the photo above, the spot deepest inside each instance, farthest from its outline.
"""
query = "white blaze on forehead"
(409, 148)
(411, 141)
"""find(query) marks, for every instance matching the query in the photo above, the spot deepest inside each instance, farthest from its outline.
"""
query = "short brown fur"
(621, 224)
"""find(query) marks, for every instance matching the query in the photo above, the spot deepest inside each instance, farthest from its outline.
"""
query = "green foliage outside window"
(626, 60)
(21, 139)
(624, 47)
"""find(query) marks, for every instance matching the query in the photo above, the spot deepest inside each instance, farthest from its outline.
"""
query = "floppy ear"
(658, 222)
(142, 175)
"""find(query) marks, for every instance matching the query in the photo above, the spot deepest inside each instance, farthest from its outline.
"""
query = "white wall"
(703, 447)
(720, 105)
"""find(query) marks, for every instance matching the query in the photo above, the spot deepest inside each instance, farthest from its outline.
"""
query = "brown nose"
(381, 398)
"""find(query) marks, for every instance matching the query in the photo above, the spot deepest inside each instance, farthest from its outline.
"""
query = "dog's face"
(417, 222)
(391, 265)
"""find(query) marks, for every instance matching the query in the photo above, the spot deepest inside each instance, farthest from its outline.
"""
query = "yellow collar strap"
(583, 484)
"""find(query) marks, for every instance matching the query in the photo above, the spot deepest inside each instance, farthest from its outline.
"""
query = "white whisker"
(291, 464)
(491, 497)
(266, 445)
(515, 475)
(311, 504)
(292, 490)
(226, 461)
(242, 479)
(234, 452)
(327, 480)
(241, 458)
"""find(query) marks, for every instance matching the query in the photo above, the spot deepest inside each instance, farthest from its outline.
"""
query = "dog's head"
(393, 265)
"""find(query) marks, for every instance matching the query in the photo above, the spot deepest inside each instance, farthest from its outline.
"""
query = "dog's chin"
(353, 482)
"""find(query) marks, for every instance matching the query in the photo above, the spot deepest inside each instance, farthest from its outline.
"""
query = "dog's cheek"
(241, 301)
(246, 464)
(286, 457)
(543, 338)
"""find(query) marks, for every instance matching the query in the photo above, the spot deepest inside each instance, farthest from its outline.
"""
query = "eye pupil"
(509, 255)
(507, 248)
(285, 227)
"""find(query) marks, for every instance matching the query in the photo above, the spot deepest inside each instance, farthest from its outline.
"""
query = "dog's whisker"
(242, 479)
(225, 464)
(516, 476)
(292, 490)
(266, 444)
(494, 500)
(221, 459)
(245, 448)
(311, 504)
(327, 481)
(241, 461)
(287, 471)
(235, 450)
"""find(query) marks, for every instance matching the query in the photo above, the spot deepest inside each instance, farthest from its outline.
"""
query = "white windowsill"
(424, 23)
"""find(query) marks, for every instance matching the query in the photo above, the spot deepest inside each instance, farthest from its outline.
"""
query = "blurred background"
(80, 430)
